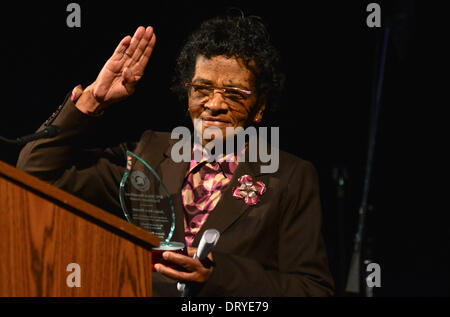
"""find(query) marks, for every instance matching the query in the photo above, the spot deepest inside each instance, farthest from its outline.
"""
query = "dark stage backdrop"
(329, 55)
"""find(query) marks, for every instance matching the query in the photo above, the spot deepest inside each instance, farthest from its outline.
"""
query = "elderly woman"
(228, 74)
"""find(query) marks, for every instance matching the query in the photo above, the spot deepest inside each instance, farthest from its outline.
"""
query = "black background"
(330, 58)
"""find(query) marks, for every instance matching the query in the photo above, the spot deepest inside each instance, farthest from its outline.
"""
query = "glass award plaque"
(146, 202)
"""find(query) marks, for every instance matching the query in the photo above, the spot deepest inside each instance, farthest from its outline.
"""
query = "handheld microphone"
(208, 241)
(47, 132)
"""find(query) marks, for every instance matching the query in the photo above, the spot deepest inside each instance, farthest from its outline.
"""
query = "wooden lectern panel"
(40, 238)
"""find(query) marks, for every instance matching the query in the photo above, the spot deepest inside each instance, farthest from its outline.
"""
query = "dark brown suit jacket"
(274, 248)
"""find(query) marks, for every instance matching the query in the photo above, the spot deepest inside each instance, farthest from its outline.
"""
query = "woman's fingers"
(138, 45)
(143, 44)
(139, 48)
(181, 260)
(133, 48)
(140, 65)
(196, 271)
(126, 66)
(176, 275)
(121, 48)
(135, 41)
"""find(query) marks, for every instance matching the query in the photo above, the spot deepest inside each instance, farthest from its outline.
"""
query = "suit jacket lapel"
(229, 208)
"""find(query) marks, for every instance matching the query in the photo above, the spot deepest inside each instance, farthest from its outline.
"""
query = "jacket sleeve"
(64, 161)
(302, 260)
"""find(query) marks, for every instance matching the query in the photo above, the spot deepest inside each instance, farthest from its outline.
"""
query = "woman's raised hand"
(121, 73)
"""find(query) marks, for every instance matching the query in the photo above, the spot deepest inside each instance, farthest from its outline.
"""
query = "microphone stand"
(340, 176)
(356, 269)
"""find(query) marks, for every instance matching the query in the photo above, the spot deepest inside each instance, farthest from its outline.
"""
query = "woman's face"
(234, 107)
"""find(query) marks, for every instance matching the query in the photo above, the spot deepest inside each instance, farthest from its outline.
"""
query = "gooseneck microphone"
(45, 133)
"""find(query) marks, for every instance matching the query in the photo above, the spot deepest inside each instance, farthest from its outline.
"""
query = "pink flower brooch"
(249, 190)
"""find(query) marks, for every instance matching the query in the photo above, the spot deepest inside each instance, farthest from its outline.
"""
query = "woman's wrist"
(85, 101)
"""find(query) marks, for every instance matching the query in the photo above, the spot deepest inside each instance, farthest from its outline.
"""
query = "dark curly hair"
(233, 36)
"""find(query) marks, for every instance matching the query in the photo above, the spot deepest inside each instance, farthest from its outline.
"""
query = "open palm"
(125, 67)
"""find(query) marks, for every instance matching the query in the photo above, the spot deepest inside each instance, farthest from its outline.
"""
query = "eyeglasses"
(230, 93)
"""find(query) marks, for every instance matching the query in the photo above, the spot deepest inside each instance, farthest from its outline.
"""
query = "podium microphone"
(47, 132)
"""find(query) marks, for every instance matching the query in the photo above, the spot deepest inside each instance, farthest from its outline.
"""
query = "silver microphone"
(208, 241)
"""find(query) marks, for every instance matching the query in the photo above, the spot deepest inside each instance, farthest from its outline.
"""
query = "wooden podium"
(44, 230)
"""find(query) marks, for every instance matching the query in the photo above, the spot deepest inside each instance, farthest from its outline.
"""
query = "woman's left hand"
(196, 271)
